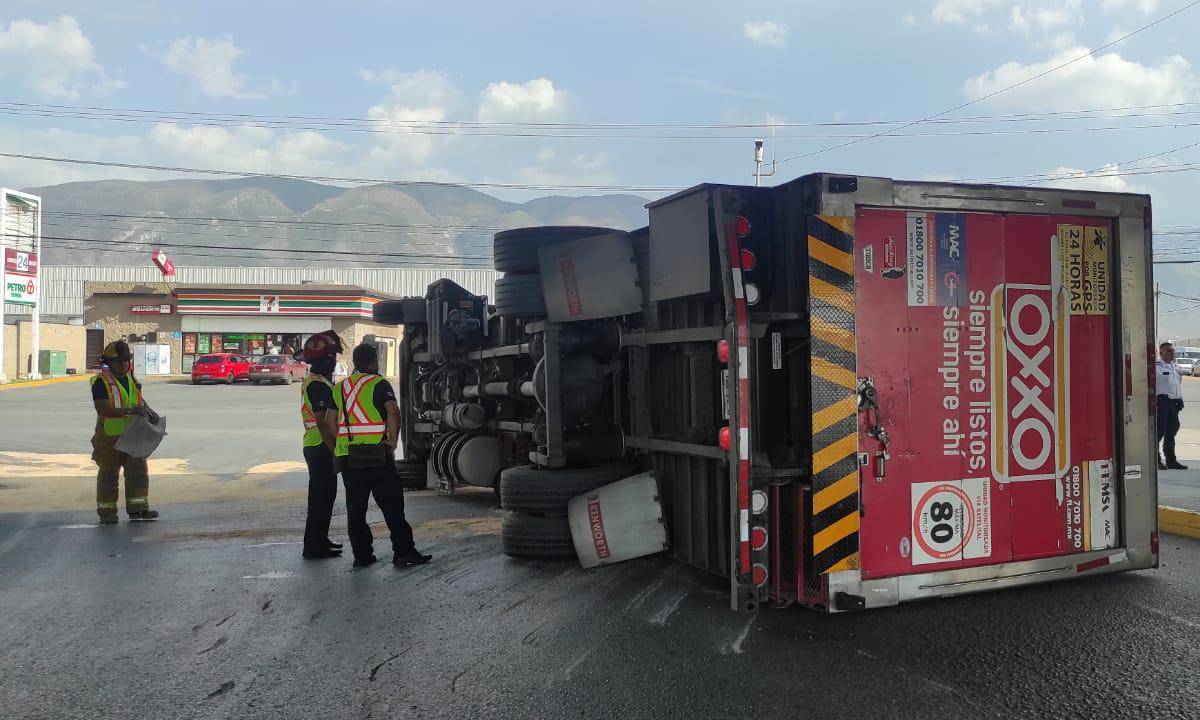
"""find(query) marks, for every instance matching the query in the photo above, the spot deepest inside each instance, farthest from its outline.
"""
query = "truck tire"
(534, 536)
(516, 251)
(527, 489)
(406, 311)
(520, 296)
(411, 475)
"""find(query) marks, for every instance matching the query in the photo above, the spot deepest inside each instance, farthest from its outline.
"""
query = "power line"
(395, 255)
(169, 231)
(741, 138)
(406, 125)
(993, 94)
(142, 250)
(348, 180)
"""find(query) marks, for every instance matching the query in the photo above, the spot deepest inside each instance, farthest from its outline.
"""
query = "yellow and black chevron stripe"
(834, 520)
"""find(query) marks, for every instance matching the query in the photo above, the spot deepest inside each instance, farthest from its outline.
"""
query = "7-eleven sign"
(163, 262)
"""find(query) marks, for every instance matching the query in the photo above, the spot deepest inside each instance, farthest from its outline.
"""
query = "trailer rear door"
(989, 340)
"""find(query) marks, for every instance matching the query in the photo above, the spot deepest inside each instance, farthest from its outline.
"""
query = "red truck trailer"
(852, 391)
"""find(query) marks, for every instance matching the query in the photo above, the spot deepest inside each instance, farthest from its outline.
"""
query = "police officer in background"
(367, 437)
(1170, 402)
(319, 412)
(117, 396)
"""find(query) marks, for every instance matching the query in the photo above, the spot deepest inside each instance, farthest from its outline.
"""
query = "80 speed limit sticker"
(951, 521)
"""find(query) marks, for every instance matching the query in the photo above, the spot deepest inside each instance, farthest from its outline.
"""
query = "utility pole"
(758, 163)
(1157, 292)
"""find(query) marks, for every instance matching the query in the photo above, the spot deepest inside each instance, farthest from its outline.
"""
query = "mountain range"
(272, 221)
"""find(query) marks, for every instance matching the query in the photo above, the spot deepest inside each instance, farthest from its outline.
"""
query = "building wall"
(352, 332)
(64, 293)
(111, 313)
(18, 345)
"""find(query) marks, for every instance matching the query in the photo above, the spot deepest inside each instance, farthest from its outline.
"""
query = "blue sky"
(644, 62)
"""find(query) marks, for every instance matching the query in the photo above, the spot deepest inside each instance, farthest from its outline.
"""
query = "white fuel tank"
(620, 521)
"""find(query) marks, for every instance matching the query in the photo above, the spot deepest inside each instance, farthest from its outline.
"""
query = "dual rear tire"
(536, 525)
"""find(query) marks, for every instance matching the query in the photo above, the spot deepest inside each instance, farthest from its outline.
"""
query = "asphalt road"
(210, 613)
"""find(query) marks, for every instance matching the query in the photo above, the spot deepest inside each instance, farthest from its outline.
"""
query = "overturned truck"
(852, 391)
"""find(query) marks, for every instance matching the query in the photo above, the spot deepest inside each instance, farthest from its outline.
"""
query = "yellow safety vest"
(359, 421)
(118, 397)
(312, 434)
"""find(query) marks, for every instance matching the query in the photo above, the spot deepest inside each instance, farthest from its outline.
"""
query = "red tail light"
(749, 262)
(723, 351)
(742, 225)
(723, 439)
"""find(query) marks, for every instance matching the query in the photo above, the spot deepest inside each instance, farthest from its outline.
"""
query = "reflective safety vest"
(312, 434)
(118, 397)
(359, 421)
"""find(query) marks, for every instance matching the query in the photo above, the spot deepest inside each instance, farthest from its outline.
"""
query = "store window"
(284, 343)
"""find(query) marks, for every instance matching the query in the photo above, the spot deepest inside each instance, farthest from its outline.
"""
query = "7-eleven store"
(253, 321)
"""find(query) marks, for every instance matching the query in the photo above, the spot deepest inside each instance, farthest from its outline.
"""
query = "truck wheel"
(411, 475)
(528, 489)
(407, 311)
(516, 251)
(533, 536)
(520, 296)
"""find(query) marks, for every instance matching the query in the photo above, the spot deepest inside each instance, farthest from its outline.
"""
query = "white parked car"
(1187, 359)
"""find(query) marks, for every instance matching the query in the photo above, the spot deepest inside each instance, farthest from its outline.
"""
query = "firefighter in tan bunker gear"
(118, 399)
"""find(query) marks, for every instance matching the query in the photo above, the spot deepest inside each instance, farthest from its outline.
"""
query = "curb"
(40, 383)
(82, 376)
(1178, 521)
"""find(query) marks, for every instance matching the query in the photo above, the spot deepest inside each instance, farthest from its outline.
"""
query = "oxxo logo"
(1030, 386)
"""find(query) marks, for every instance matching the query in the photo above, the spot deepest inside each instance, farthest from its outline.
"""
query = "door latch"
(868, 403)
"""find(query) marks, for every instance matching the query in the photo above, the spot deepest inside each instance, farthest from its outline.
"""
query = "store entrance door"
(95, 346)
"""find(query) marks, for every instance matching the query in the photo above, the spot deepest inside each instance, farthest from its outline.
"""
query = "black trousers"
(382, 482)
(322, 492)
(1168, 425)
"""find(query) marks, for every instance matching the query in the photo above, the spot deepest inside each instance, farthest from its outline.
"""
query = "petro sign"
(20, 277)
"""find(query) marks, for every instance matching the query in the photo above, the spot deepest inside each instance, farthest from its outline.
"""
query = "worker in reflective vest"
(319, 411)
(118, 398)
(367, 436)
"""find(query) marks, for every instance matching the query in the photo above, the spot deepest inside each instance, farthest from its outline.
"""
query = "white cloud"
(909, 20)
(1097, 180)
(424, 96)
(209, 62)
(535, 100)
(1025, 16)
(1119, 81)
(765, 32)
(249, 148)
(1050, 17)
(56, 59)
(1146, 6)
(960, 12)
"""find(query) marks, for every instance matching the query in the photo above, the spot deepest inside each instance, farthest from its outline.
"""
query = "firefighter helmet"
(117, 350)
(326, 344)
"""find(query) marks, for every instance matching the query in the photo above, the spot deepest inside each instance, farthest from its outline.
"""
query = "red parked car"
(278, 369)
(220, 367)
